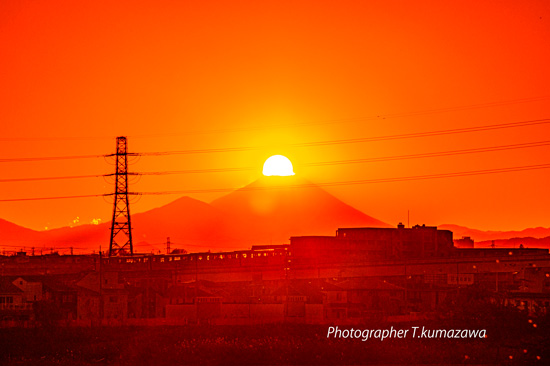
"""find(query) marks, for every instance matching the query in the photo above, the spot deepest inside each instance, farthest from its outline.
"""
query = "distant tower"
(168, 245)
(121, 229)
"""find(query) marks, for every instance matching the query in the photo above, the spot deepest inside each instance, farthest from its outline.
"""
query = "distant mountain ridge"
(269, 210)
(480, 235)
(525, 242)
(11, 233)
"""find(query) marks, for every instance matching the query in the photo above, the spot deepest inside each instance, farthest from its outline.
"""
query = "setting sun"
(278, 165)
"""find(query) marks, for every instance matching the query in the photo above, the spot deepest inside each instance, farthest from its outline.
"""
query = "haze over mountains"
(479, 235)
(267, 211)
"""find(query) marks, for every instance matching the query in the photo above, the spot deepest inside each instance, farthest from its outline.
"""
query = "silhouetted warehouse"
(373, 244)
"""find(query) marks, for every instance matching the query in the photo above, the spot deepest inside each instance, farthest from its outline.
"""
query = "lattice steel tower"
(121, 228)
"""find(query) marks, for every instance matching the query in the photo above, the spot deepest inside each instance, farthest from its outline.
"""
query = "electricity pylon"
(121, 228)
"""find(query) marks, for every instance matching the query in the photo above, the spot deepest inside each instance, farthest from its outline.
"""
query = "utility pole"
(101, 304)
(121, 228)
(168, 245)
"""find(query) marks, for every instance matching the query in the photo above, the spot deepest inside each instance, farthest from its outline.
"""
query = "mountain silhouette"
(269, 210)
(15, 235)
(190, 224)
(525, 242)
(272, 209)
(479, 235)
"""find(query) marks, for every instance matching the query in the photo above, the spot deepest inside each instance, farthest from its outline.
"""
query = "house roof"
(86, 291)
(301, 288)
(188, 291)
(52, 283)
(368, 284)
(6, 287)
(327, 286)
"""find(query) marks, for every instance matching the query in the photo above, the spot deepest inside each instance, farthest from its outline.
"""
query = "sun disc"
(278, 165)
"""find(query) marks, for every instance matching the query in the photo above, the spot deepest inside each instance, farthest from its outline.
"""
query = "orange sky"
(176, 75)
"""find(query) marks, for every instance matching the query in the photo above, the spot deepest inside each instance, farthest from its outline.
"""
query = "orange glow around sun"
(239, 81)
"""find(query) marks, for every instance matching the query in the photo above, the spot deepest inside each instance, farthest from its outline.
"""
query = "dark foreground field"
(507, 335)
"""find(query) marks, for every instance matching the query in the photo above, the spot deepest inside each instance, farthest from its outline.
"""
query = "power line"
(38, 248)
(383, 180)
(367, 181)
(369, 160)
(197, 171)
(305, 144)
(426, 134)
(46, 158)
(49, 178)
(435, 154)
(357, 119)
(321, 163)
(358, 140)
(54, 198)
(310, 185)
(312, 123)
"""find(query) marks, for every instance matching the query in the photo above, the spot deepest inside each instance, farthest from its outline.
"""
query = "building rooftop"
(6, 287)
